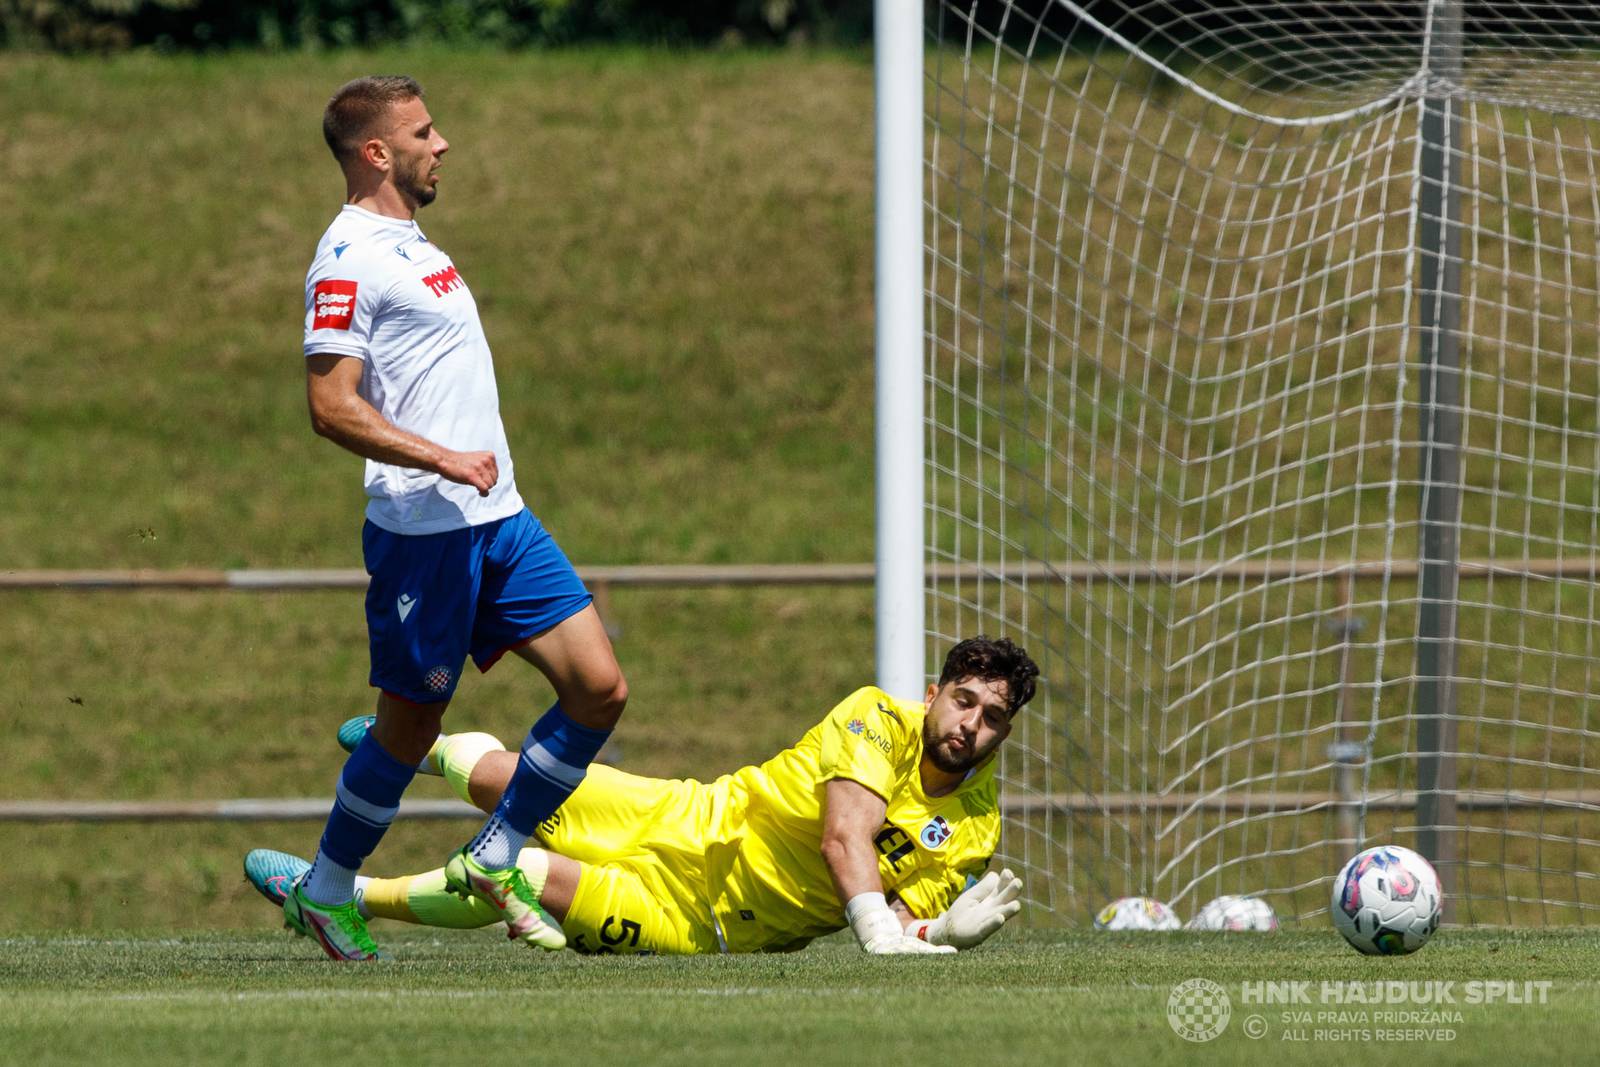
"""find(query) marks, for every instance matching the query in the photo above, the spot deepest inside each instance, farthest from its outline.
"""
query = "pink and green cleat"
(338, 928)
(507, 892)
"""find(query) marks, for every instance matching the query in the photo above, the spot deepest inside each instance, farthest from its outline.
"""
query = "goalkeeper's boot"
(351, 731)
(338, 928)
(273, 874)
(507, 892)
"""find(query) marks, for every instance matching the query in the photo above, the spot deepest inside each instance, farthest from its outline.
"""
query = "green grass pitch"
(1034, 997)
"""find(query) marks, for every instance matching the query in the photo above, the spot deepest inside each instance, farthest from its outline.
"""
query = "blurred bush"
(109, 25)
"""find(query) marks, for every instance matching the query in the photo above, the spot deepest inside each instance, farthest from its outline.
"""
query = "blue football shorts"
(436, 598)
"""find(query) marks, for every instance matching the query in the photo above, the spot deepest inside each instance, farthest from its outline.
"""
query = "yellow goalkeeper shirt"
(769, 885)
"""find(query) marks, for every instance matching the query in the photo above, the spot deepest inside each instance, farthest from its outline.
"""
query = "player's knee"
(407, 731)
(601, 705)
(614, 699)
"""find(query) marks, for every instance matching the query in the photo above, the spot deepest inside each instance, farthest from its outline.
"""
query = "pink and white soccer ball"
(1235, 913)
(1386, 901)
(1137, 913)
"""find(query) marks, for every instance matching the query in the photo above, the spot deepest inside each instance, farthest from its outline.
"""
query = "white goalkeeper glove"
(976, 913)
(879, 930)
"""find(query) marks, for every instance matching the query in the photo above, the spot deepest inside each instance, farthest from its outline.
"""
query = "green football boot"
(339, 928)
(508, 893)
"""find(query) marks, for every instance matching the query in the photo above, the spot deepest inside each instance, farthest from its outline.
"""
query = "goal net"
(1263, 394)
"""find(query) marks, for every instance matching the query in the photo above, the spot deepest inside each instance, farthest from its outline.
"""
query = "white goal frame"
(1455, 141)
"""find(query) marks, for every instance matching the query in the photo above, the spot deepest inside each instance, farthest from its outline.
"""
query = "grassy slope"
(261, 998)
(671, 254)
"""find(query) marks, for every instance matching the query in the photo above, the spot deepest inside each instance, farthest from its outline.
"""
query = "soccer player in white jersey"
(398, 371)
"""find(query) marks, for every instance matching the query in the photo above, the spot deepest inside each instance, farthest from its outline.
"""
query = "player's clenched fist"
(976, 913)
(477, 469)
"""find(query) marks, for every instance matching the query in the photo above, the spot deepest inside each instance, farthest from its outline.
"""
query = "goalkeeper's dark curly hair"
(993, 659)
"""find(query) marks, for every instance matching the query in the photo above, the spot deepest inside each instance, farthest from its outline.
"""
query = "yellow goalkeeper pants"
(641, 884)
(642, 844)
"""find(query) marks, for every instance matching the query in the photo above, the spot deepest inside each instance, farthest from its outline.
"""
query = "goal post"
(1439, 404)
(1261, 372)
(898, 408)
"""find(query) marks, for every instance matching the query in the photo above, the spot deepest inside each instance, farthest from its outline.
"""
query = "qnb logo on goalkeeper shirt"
(876, 738)
(443, 281)
(936, 833)
(333, 304)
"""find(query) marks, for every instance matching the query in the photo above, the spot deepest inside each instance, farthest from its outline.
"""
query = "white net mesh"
(1188, 360)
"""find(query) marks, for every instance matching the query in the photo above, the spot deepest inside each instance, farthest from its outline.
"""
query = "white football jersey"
(378, 290)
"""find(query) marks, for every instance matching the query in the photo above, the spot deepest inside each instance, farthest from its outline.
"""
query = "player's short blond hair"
(355, 111)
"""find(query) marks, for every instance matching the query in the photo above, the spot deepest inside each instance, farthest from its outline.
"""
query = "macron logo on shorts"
(404, 605)
(334, 302)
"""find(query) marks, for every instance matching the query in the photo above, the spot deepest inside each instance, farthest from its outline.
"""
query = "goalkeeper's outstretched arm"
(851, 815)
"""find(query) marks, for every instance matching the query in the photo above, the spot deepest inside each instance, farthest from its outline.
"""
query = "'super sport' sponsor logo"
(333, 303)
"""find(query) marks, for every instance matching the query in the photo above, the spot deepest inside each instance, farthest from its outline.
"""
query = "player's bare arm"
(339, 413)
(851, 815)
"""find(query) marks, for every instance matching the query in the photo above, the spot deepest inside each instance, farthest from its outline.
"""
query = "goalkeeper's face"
(967, 719)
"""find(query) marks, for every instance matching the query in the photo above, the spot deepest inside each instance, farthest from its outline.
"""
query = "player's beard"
(415, 184)
(943, 758)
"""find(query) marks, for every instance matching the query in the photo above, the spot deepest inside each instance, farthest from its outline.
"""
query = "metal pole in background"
(897, 71)
(1439, 359)
(1348, 754)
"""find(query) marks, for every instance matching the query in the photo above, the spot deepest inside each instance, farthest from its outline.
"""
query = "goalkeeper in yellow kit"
(883, 817)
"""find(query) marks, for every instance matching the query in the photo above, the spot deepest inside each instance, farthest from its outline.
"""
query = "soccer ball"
(1235, 913)
(1386, 901)
(1136, 913)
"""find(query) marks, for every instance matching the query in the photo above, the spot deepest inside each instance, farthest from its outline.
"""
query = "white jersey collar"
(372, 218)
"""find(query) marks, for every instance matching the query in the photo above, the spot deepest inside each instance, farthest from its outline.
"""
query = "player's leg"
(629, 907)
(611, 814)
(365, 802)
(476, 765)
(575, 655)
(419, 617)
(427, 898)
(418, 898)
(637, 907)
(533, 604)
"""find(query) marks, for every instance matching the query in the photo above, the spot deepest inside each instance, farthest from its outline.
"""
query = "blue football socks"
(555, 757)
(365, 803)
